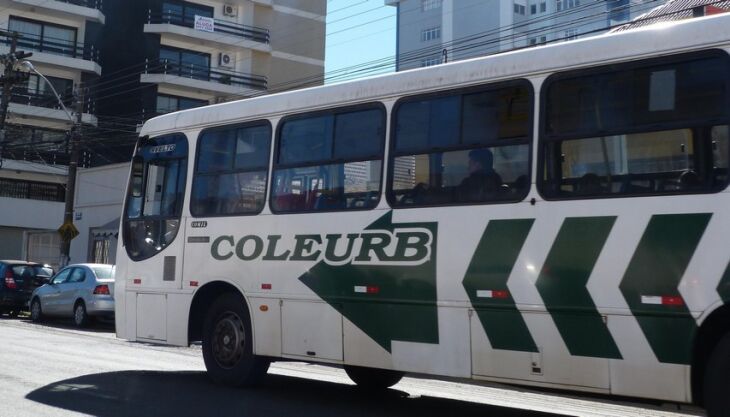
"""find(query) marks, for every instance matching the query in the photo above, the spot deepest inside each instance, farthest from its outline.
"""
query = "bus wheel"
(717, 380)
(373, 378)
(227, 344)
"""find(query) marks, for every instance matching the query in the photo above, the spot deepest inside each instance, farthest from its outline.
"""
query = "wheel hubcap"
(35, 310)
(79, 314)
(229, 340)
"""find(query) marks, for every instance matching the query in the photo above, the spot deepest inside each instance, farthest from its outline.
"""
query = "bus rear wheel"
(372, 378)
(717, 380)
(227, 344)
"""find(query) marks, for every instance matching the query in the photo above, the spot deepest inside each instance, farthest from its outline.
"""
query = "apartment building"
(32, 193)
(193, 53)
(430, 32)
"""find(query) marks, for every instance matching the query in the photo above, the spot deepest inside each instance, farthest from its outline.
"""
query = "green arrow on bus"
(386, 301)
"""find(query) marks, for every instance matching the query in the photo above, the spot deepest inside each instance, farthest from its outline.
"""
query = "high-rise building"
(430, 32)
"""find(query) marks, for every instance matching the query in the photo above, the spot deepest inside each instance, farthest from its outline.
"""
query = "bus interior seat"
(589, 184)
(689, 180)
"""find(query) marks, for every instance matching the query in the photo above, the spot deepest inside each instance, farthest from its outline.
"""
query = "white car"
(80, 291)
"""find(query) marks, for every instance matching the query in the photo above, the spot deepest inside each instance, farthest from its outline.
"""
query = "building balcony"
(222, 33)
(37, 109)
(88, 9)
(75, 55)
(202, 78)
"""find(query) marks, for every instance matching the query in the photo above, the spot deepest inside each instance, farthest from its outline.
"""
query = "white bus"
(548, 217)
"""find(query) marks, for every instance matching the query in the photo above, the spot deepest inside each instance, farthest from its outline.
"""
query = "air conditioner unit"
(230, 10)
(225, 59)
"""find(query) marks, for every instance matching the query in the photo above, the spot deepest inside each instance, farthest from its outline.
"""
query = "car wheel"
(81, 319)
(373, 379)
(36, 314)
(13, 313)
(227, 344)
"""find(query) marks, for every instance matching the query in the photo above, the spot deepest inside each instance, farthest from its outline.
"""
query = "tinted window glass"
(649, 128)
(329, 162)
(231, 171)
(61, 277)
(462, 148)
(77, 275)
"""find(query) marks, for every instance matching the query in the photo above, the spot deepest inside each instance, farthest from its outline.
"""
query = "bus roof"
(655, 40)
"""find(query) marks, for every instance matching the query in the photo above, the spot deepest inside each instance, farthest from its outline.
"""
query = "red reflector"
(137, 281)
(10, 283)
(500, 294)
(669, 300)
(265, 286)
(193, 283)
(101, 290)
(373, 290)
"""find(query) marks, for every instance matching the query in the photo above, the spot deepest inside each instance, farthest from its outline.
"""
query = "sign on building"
(206, 24)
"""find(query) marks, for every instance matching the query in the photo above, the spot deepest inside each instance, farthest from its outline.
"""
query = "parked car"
(18, 279)
(80, 291)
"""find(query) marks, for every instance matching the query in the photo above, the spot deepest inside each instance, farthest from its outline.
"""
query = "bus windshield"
(155, 195)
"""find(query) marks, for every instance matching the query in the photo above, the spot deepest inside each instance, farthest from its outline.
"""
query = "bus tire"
(227, 344)
(717, 380)
(373, 379)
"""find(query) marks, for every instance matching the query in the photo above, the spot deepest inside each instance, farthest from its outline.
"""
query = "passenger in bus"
(483, 181)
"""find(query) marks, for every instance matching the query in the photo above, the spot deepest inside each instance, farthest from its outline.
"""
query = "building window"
(183, 13)
(427, 5)
(31, 190)
(45, 37)
(543, 7)
(37, 92)
(185, 63)
(168, 104)
(543, 39)
(427, 62)
(533, 41)
(567, 4)
(430, 34)
(533, 9)
(571, 34)
(519, 9)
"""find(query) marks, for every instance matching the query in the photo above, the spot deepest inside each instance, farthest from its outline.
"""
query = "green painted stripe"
(489, 269)
(562, 285)
(656, 269)
(723, 288)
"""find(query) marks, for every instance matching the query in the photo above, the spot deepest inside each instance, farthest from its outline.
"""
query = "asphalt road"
(56, 370)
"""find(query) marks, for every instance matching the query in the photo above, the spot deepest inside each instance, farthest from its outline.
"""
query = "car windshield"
(43, 271)
(104, 271)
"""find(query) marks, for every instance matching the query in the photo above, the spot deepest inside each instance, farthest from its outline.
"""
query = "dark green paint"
(656, 269)
(562, 286)
(490, 267)
(405, 306)
(723, 288)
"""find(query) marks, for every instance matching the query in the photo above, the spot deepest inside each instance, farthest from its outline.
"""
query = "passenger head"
(480, 160)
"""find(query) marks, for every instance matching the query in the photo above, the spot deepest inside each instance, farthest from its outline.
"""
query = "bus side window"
(649, 128)
(329, 161)
(464, 147)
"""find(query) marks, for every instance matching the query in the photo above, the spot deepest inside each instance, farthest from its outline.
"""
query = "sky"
(360, 39)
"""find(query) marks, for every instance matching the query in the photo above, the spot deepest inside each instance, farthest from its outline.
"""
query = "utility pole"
(10, 77)
(68, 231)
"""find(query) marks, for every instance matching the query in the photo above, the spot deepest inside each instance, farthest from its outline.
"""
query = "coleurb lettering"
(411, 246)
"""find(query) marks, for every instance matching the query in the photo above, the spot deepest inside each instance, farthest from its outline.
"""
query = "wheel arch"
(202, 299)
(713, 327)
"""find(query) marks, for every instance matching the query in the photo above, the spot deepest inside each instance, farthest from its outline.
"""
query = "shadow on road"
(96, 326)
(163, 394)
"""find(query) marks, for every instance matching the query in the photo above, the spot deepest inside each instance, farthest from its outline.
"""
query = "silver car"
(81, 291)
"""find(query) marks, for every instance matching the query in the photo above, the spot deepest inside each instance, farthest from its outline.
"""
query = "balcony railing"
(36, 99)
(199, 72)
(92, 4)
(31, 42)
(31, 190)
(219, 26)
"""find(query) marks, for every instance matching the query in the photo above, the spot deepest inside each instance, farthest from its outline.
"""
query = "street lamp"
(67, 230)
(29, 66)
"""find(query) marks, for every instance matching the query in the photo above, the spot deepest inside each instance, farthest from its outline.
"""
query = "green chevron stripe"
(723, 288)
(489, 269)
(562, 285)
(656, 269)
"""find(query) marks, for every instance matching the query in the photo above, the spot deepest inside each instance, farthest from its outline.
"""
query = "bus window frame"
(269, 170)
(544, 139)
(333, 111)
(462, 91)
